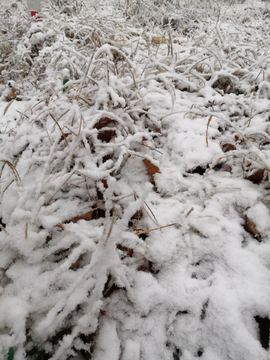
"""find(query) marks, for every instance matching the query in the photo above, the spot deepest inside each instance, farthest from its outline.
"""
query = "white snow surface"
(192, 106)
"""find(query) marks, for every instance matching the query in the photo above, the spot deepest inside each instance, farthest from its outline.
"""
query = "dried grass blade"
(7, 107)
(12, 167)
(155, 221)
(150, 147)
(79, 97)
(72, 173)
(59, 128)
(161, 227)
(22, 114)
(26, 230)
(2, 227)
(189, 212)
(111, 227)
(7, 186)
(208, 123)
(62, 115)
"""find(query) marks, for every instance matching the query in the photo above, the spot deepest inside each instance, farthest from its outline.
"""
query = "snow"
(134, 199)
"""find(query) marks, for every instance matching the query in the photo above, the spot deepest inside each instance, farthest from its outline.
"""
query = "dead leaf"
(105, 183)
(12, 95)
(105, 135)
(130, 253)
(138, 215)
(88, 216)
(75, 266)
(63, 136)
(227, 145)
(148, 266)
(236, 113)
(256, 177)
(110, 288)
(144, 268)
(251, 228)
(151, 168)
(103, 123)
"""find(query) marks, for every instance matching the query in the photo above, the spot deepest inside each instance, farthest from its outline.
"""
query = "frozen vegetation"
(134, 181)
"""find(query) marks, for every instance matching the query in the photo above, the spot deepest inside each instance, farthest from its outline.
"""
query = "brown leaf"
(236, 113)
(105, 183)
(105, 135)
(256, 177)
(227, 167)
(144, 268)
(151, 168)
(64, 136)
(75, 266)
(138, 215)
(110, 288)
(130, 253)
(251, 228)
(148, 266)
(103, 123)
(12, 95)
(227, 145)
(88, 216)
(122, 248)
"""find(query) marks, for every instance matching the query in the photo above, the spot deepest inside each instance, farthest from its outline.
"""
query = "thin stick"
(72, 173)
(6, 108)
(151, 148)
(88, 67)
(22, 114)
(26, 230)
(147, 231)
(155, 219)
(60, 225)
(111, 227)
(189, 212)
(79, 97)
(2, 227)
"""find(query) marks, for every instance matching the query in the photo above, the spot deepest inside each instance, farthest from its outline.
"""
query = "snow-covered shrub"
(83, 152)
(109, 125)
(14, 54)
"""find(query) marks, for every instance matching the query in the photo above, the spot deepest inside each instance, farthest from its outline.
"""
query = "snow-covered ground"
(134, 209)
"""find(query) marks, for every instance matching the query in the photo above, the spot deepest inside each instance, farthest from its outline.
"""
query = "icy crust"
(135, 196)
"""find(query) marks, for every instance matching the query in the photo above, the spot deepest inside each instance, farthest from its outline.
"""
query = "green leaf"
(10, 355)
